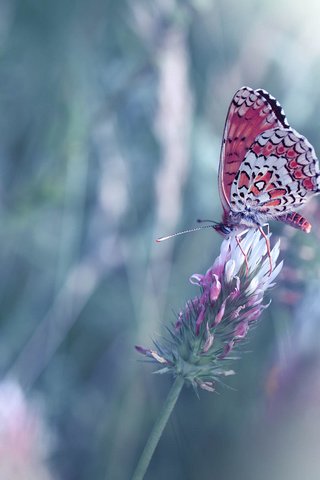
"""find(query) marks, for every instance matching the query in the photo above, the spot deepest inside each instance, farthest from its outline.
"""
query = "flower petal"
(241, 329)
(215, 289)
(252, 285)
(196, 279)
(229, 270)
(209, 340)
(200, 319)
(209, 386)
(220, 313)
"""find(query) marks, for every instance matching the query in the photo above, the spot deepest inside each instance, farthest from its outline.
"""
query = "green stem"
(158, 429)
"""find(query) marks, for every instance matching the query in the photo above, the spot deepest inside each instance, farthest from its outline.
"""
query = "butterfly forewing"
(251, 113)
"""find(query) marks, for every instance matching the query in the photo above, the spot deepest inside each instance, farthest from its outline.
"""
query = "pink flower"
(24, 440)
(215, 323)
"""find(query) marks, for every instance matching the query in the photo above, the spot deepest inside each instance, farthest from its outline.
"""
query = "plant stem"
(158, 428)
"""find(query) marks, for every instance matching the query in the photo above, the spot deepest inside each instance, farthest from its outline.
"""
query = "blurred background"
(111, 118)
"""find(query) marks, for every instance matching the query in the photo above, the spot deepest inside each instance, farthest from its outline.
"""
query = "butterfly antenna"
(161, 239)
(199, 220)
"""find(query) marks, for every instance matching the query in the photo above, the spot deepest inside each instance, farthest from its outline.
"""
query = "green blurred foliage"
(111, 118)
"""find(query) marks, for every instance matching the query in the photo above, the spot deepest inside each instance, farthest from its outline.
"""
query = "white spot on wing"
(259, 185)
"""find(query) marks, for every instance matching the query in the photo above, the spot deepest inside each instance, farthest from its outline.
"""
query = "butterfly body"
(267, 169)
(239, 221)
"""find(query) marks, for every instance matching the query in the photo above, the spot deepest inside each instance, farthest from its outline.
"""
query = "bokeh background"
(111, 118)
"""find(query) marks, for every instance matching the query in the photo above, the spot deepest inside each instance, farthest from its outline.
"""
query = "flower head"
(25, 441)
(212, 326)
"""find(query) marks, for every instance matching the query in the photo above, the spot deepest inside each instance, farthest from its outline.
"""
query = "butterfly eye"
(225, 229)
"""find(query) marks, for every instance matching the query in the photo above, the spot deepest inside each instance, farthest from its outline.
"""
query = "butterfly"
(267, 169)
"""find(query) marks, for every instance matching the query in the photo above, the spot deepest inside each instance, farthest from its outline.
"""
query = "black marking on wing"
(276, 107)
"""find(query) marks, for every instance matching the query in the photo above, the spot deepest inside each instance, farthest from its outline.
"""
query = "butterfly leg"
(268, 228)
(268, 247)
(243, 253)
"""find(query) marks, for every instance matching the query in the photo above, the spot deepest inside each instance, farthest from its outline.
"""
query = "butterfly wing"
(278, 174)
(251, 112)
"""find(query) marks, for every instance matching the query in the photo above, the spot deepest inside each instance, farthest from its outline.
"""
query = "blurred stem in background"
(75, 279)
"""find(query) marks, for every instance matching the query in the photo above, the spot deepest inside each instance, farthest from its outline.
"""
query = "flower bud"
(215, 288)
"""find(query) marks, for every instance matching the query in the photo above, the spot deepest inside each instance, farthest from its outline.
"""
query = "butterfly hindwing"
(278, 174)
(251, 113)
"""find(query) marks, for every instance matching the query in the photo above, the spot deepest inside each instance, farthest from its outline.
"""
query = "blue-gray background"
(111, 117)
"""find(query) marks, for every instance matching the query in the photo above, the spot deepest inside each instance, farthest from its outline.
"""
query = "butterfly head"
(224, 229)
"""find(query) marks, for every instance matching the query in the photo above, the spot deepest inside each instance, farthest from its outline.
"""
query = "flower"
(210, 329)
(25, 442)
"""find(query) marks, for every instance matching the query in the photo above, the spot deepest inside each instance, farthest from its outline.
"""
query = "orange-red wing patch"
(277, 192)
(271, 186)
(308, 184)
(297, 173)
(243, 180)
(255, 190)
(273, 203)
(263, 177)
